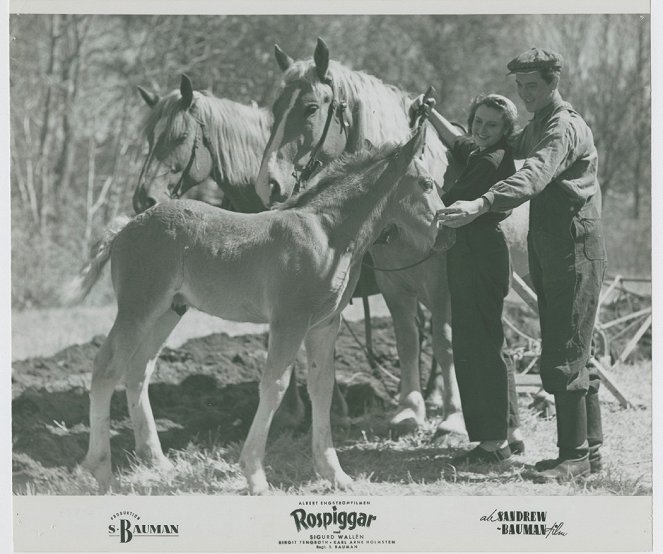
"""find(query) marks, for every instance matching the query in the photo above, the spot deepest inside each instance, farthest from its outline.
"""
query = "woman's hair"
(500, 103)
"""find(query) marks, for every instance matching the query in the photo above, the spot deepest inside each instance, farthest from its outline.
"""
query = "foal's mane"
(237, 133)
(349, 174)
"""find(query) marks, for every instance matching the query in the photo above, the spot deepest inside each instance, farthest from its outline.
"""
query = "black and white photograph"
(343, 277)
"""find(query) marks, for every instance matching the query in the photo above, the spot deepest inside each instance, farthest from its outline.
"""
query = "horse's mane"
(350, 173)
(332, 192)
(379, 110)
(237, 133)
(363, 93)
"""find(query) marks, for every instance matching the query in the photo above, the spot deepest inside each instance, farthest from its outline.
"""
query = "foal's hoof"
(454, 423)
(343, 482)
(258, 485)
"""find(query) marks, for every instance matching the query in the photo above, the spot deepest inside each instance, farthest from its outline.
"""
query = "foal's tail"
(79, 287)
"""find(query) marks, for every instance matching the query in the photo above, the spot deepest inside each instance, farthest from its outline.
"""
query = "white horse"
(325, 109)
(294, 267)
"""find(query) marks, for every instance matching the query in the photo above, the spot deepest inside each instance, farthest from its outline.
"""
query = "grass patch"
(382, 465)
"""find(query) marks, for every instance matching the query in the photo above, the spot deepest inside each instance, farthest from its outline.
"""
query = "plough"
(607, 336)
(631, 320)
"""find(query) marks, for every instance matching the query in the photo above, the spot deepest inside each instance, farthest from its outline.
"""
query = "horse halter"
(313, 164)
(201, 136)
(178, 189)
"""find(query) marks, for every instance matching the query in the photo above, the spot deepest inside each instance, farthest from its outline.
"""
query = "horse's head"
(375, 188)
(416, 198)
(178, 157)
(311, 125)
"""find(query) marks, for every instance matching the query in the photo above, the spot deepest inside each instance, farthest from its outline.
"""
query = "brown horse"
(325, 109)
(245, 267)
(198, 140)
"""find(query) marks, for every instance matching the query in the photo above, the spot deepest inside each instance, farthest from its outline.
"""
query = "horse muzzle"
(445, 239)
(142, 201)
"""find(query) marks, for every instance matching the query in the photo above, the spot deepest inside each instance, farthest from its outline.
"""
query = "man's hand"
(461, 213)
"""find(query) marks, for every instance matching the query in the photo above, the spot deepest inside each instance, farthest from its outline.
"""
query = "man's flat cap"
(535, 59)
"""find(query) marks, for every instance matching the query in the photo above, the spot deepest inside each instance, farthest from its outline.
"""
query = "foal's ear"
(282, 58)
(150, 98)
(414, 145)
(321, 58)
(186, 89)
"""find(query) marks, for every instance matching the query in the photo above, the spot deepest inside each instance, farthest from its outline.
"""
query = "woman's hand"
(416, 104)
(461, 213)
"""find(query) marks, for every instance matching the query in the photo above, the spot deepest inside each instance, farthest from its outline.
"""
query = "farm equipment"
(622, 331)
(623, 322)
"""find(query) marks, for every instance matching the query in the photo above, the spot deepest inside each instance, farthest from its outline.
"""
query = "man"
(565, 248)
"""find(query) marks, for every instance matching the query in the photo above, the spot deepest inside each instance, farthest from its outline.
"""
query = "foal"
(294, 267)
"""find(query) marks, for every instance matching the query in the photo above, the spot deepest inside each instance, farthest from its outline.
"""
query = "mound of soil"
(204, 392)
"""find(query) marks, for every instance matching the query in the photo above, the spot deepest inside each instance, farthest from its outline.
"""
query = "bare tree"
(76, 29)
(641, 128)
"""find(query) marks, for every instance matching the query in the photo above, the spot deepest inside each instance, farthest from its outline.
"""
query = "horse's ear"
(282, 58)
(150, 98)
(321, 57)
(186, 89)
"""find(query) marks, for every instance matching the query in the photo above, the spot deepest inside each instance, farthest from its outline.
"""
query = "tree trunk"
(43, 167)
(71, 65)
(641, 128)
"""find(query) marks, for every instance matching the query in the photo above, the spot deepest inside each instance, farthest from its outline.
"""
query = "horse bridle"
(178, 190)
(201, 136)
(418, 119)
(314, 163)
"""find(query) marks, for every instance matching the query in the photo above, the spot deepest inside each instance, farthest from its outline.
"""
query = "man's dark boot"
(594, 430)
(573, 460)
(594, 436)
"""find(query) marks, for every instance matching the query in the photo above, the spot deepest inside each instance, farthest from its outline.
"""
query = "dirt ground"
(205, 393)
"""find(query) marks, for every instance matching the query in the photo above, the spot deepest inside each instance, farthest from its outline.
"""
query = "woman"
(478, 273)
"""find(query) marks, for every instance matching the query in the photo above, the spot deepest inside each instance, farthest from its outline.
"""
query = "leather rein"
(417, 120)
(427, 257)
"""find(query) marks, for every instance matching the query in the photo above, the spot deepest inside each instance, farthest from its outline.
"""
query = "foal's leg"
(284, 343)
(320, 353)
(292, 411)
(138, 375)
(109, 366)
(411, 412)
